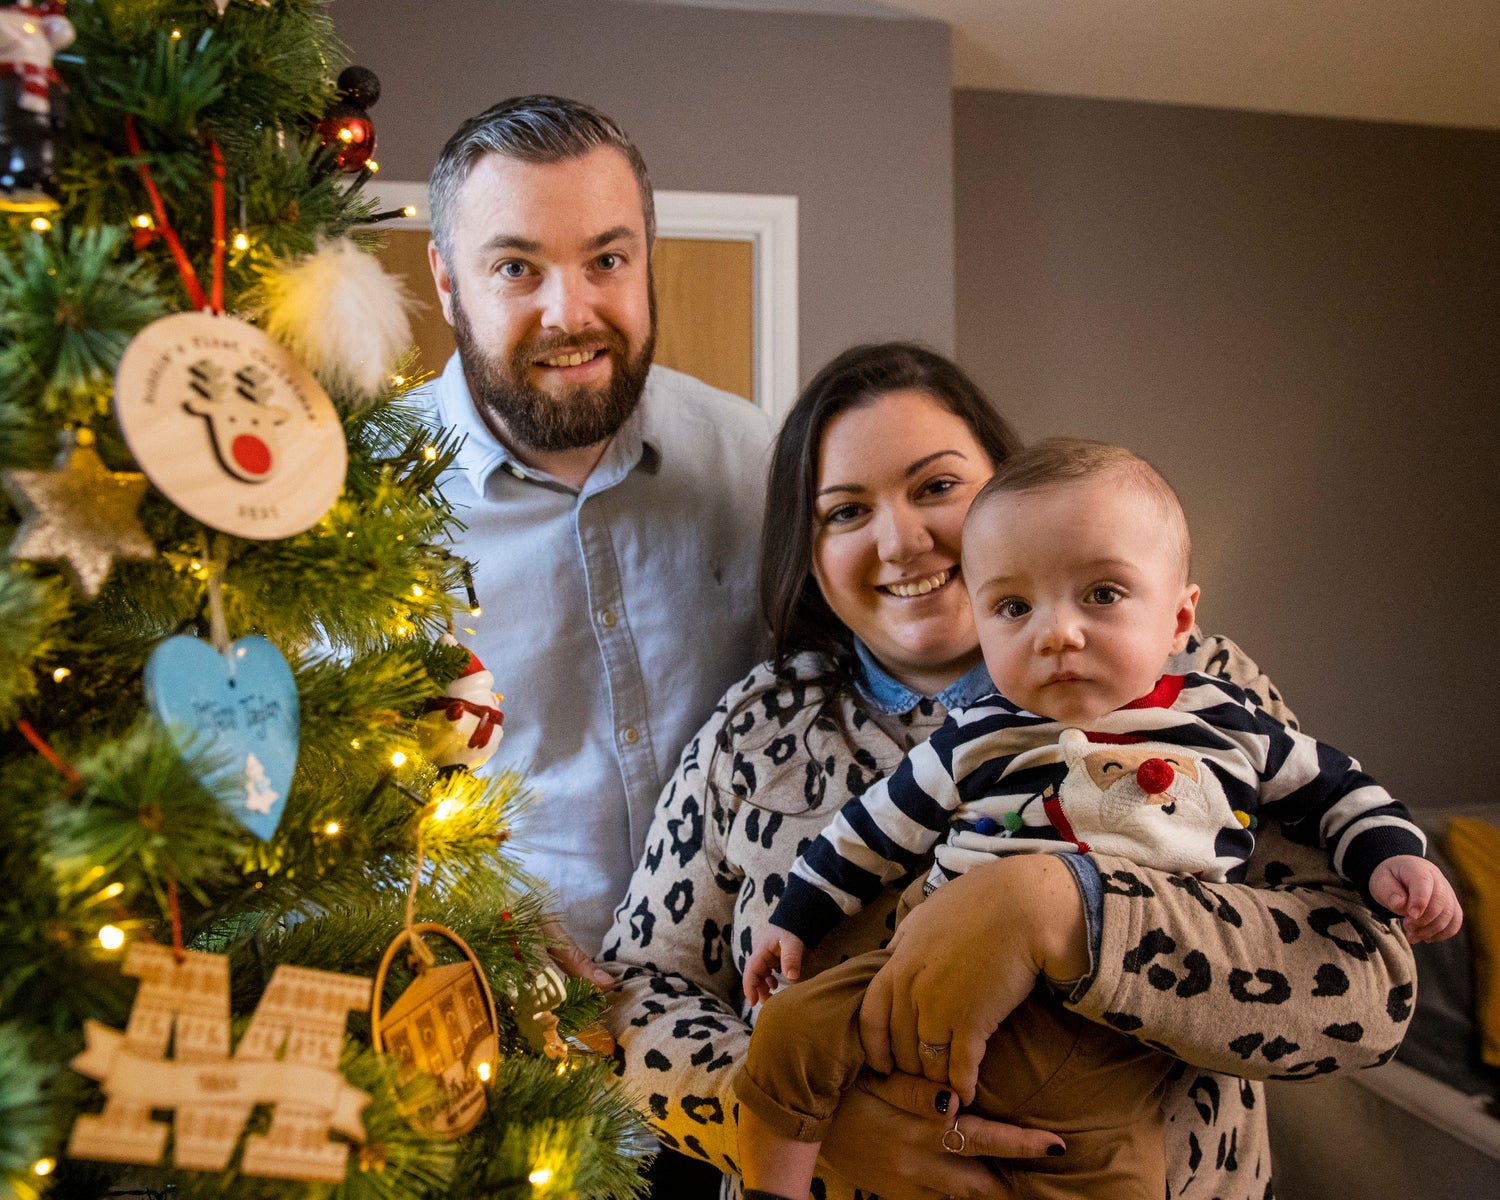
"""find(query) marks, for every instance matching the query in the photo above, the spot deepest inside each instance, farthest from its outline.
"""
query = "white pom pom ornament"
(339, 312)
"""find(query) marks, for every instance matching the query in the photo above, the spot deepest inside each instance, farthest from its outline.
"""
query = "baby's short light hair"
(1061, 460)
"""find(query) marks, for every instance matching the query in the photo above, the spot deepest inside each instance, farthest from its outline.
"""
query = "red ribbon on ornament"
(39, 744)
(214, 301)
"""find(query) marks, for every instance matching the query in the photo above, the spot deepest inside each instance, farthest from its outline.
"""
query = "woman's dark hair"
(790, 599)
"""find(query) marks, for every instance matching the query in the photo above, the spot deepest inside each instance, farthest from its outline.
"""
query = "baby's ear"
(1187, 614)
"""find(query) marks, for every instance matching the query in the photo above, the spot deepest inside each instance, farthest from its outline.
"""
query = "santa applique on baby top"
(1157, 804)
(1119, 790)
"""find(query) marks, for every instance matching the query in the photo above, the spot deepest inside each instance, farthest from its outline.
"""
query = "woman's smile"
(913, 588)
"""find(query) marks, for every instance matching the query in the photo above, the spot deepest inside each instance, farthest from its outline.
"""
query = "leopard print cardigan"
(1293, 977)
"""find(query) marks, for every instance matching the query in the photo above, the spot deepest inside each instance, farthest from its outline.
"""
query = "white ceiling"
(1433, 62)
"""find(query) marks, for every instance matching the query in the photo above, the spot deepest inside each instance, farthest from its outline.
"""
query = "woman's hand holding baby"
(964, 958)
(775, 946)
(887, 1136)
(1416, 891)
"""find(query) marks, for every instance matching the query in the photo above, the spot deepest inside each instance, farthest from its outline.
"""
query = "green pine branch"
(69, 304)
(31, 610)
(110, 833)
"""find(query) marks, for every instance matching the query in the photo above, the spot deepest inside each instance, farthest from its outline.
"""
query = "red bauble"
(346, 127)
(354, 133)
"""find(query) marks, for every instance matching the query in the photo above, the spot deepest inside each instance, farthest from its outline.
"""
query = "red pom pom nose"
(1155, 776)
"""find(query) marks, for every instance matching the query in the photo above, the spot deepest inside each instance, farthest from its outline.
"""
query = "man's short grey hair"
(534, 129)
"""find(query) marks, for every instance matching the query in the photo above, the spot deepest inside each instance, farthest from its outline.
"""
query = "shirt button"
(517, 472)
(631, 735)
(607, 618)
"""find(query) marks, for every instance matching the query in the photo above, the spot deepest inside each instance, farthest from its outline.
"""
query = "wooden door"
(705, 321)
(704, 297)
(405, 256)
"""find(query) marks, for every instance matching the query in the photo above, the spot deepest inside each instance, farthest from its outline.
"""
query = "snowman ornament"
(461, 728)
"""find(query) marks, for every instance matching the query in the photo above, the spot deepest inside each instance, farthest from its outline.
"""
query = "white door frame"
(768, 223)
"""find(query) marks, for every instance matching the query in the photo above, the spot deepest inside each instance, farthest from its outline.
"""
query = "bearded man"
(613, 508)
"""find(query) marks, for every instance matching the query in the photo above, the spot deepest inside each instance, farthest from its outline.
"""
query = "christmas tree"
(262, 932)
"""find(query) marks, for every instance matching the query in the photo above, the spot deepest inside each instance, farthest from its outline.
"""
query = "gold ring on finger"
(954, 1140)
(933, 1049)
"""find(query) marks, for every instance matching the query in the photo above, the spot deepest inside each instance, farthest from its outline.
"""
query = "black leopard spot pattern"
(1331, 981)
(1398, 1003)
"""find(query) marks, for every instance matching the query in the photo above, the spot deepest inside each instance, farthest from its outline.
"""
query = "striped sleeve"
(890, 830)
(1319, 794)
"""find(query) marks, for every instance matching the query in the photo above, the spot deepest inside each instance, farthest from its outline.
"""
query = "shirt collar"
(892, 698)
(481, 453)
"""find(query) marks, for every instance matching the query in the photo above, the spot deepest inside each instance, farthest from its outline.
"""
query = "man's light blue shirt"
(613, 617)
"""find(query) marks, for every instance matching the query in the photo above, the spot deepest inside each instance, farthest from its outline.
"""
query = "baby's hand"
(773, 946)
(1415, 890)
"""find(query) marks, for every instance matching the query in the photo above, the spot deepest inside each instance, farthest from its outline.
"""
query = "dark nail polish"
(942, 1100)
(1055, 1151)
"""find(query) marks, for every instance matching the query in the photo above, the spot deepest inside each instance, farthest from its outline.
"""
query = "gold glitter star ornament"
(81, 514)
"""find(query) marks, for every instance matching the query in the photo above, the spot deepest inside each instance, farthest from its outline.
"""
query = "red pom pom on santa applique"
(1155, 776)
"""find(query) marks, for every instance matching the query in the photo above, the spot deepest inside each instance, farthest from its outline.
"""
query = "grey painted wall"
(1298, 320)
(853, 115)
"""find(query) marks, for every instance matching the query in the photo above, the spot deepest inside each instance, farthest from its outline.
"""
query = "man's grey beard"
(538, 420)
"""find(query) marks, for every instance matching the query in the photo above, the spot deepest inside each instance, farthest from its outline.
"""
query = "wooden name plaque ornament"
(288, 1058)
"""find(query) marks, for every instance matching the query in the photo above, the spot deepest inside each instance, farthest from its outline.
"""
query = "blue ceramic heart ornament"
(238, 708)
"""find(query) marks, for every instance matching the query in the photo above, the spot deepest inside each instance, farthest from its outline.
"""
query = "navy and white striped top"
(986, 783)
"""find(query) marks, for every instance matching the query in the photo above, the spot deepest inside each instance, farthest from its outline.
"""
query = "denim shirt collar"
(891, 698)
